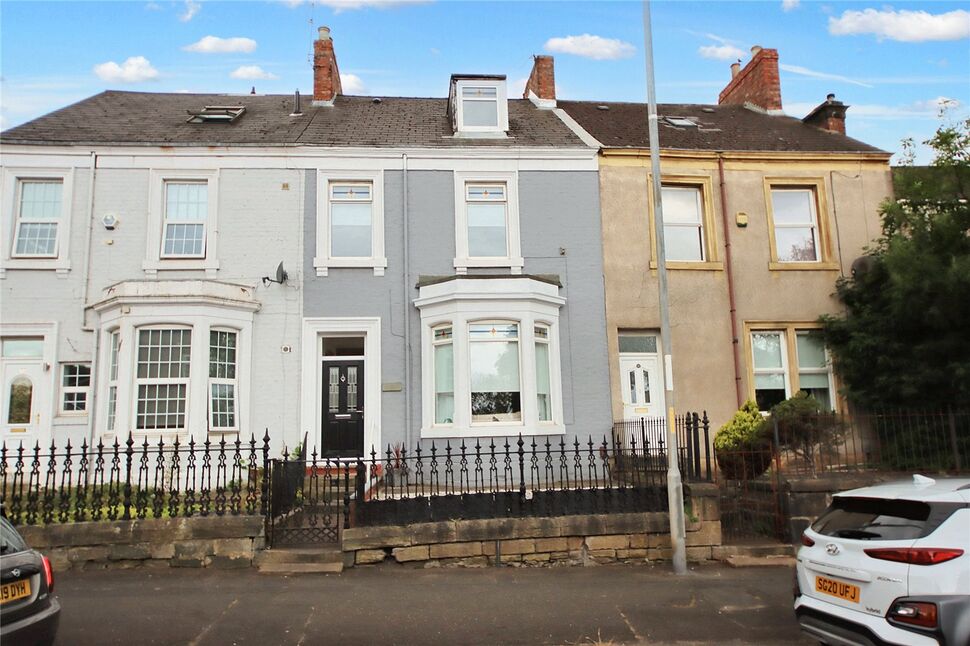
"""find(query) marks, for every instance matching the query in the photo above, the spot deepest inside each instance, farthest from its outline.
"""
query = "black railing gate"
(307, 500)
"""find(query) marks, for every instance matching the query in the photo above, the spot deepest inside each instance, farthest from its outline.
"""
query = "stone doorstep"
(760, 561)
(723, 552)
(301, 568)
(295, 556)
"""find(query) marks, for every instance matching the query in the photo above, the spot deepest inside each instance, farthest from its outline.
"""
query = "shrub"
(742, 447)
(805, 427)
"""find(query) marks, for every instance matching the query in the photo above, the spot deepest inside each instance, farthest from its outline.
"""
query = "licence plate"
(14, 591)
(838, 589)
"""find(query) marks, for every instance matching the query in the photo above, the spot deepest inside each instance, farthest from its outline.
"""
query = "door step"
(299, 560)
(724, 552)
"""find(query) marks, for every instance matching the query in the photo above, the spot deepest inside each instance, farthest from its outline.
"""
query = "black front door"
(343, 408)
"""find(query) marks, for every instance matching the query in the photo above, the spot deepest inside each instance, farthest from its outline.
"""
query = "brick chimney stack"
(326, 76)
(829, 115)
(542, 80)
(757, 83)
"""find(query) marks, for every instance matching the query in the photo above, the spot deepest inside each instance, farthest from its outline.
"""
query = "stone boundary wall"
(804, 499)
(565, 540)
(217, 542)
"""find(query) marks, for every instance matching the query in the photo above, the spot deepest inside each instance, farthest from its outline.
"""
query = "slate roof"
(721, 128)
(142, 118)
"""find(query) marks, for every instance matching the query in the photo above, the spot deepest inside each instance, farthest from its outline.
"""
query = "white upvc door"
(641, 385)
(25, 401)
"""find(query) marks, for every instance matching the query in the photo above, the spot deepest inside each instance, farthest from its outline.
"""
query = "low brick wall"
(565, 540)
(217, 542)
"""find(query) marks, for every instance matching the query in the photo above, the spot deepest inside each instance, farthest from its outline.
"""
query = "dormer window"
(479, 105)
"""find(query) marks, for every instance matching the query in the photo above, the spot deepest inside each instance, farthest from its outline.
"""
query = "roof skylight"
(216, 113)
(681, 122)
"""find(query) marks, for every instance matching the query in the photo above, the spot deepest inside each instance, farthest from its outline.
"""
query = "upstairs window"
(486, 207)
(351, 220)
(683, 223)
(480, 106)
(487, 222)
(798, 227)
(38, 216)
(184, 226)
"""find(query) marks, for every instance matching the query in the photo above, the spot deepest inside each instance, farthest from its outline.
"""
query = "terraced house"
(762, 213)
(359, 271)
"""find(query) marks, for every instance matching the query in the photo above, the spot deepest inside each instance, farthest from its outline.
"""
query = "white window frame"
(547, 342)
(816, 234)
(143, 305)
(10, 204)
(166, 222)
(699, 225)
(323, 260)
(65, 390)
(502, 105)
(514, 260)
(138, 382)
(783, 370)
(155, 260)
(527, 303)
(225, 381)
(436, 343)
(788, 333)
(827, 370)
(113, 349)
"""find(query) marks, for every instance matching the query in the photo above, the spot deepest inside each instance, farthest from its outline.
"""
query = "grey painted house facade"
(443, 259)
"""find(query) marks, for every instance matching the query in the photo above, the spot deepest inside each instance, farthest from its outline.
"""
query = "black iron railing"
(214, 477)
(693, 442)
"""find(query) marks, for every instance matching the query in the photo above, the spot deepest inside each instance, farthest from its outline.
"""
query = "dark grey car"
(29, 611)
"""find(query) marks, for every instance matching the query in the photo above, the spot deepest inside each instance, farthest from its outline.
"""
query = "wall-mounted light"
(281, 276)
(110, 221)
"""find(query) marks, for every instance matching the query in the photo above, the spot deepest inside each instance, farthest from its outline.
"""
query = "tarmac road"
(395, 605)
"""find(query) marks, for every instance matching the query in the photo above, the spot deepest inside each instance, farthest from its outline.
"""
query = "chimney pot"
(830, 97)
(735, 69)
(323, 33)
(755, 50)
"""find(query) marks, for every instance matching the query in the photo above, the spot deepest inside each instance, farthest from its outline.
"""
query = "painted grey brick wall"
(556, 210)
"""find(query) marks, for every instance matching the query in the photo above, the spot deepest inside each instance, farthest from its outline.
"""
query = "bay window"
(490, 357)
(162, 378)
(222, 380)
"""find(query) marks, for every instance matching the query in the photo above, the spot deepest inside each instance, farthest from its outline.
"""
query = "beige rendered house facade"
(763, 213)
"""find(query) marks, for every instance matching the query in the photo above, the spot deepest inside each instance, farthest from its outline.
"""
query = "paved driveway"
(395, 605)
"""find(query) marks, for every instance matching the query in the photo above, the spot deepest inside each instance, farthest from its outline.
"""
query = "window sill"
(803, 266)
(485, 430)
(515, 265)
(152, 267)
(60, 265)
(70, 419)
(695, 266)
(323, 265)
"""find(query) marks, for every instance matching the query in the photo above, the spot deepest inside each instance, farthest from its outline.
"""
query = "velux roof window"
(681, 122)
(216, 114)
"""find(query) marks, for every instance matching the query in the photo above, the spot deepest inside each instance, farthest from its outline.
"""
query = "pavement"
(391, 604)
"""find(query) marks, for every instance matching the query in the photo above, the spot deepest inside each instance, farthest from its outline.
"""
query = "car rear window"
(879, 519)
(10, 540)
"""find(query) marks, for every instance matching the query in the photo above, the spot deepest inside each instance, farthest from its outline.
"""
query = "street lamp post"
(675, 490)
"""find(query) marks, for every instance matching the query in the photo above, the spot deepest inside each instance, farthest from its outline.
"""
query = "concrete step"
(301, 568)
(330, 554)
(759, 550)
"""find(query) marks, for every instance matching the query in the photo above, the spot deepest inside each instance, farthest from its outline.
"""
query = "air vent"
(216, 114)
(602, 107)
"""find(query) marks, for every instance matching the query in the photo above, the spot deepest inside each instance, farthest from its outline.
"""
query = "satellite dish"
(281, 276)
(862, 266)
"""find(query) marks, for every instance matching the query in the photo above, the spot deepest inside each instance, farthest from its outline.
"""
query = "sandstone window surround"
(183, 224)
(690, 233)
(799, 234)
(490, 358)
(784, 358)
(350, 221)
(35, 231)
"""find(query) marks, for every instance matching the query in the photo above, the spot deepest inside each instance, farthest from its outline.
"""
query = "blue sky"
(892, 63)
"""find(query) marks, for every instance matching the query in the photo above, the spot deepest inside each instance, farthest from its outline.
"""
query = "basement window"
(680, 122)
(216, 114)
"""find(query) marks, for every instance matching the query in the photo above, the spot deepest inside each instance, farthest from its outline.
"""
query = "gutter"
(732, 301)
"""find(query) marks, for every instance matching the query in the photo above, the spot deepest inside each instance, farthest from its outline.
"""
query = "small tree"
(804, 427)
(903, 339)
(742, 447)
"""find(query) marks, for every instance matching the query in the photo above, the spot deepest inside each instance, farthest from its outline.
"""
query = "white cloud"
(825, 76)
(721, 52)
(133, 70)
(340, 6)
(216, 45)
(251, 73)
(191, 8)
(928, 109)
(903, 25)
(352, 84)
(789, 5)
(589, 46)
(153, 6)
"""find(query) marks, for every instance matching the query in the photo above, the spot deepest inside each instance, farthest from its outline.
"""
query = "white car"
(889, 564)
